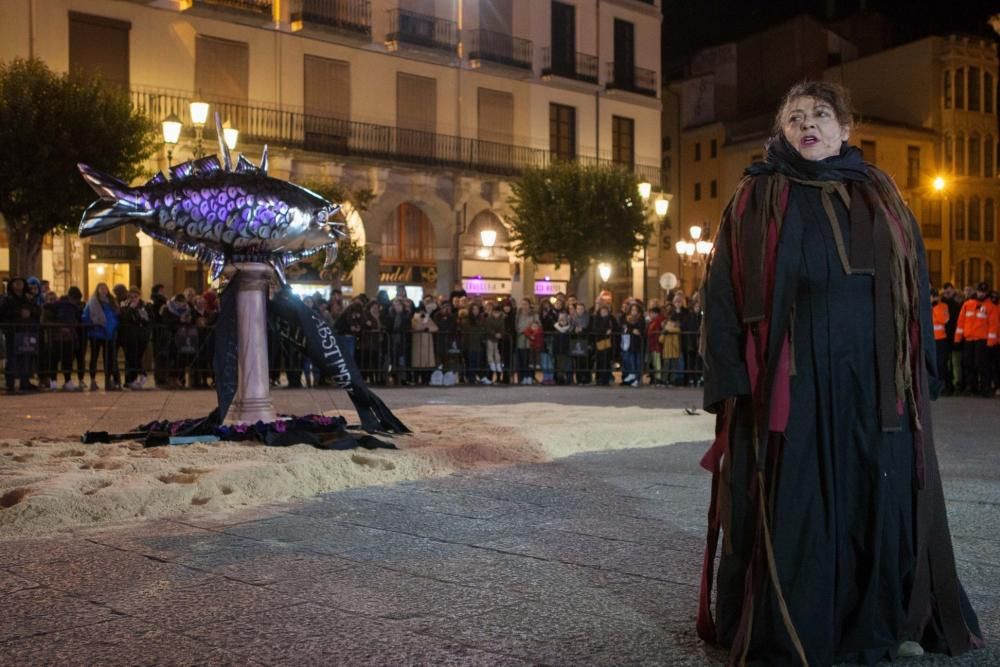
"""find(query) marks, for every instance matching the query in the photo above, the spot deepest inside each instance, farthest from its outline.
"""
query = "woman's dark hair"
(834, 94)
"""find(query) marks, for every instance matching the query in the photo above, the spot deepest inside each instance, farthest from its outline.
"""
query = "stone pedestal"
(253, 394)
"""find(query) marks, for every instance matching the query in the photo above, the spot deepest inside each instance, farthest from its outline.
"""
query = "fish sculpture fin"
(245, 166)
(156, 180)
(207, 164)
(263, 161)
(227, 158)
(118, 205)
(218, 264)
(182, 170)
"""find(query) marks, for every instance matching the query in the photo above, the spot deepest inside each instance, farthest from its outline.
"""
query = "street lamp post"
(199, 115)
(695, 251)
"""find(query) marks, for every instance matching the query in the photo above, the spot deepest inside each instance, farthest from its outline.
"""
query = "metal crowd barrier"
(50, 354)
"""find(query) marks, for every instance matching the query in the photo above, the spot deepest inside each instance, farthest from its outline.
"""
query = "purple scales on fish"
(218, 213)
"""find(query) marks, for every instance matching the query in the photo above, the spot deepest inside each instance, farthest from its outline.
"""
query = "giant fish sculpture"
(218, 213)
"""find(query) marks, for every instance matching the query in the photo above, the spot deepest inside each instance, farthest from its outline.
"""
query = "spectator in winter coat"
(133, 332)
(525, 316)
(424, 329)
(495, 330)
(473, 330)
(654, 329)
(63, 318)
(101, 314)
(603, 327)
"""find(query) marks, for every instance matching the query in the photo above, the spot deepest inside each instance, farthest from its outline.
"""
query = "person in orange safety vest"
(939, 317)
(973, 328)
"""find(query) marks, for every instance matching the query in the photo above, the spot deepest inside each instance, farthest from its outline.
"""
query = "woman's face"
(811, 126)
(102, 291)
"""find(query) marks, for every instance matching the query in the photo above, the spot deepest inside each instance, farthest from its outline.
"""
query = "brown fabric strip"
(885, 328)
(862, 251)
(751, 244)
(838, 237)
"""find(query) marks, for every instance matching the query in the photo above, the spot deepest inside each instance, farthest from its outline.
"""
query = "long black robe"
(843, 496)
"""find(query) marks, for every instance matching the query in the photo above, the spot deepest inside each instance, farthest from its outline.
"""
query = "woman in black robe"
(819, 361)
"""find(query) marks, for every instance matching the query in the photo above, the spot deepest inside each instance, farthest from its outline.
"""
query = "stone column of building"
(157, 264)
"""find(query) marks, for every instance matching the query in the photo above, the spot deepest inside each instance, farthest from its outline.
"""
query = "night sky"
(689, 25)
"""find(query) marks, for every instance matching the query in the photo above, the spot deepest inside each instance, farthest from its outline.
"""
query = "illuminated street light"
(939, 183)
(695, 232)
(231, 135)
(645, 189)
(703, 247)
(171, 134)
(199, 114)
(662, 205)
(488, 237)
(604, 269)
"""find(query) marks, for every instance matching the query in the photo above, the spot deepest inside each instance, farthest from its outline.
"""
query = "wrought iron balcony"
(498, 47)
(260, 124)
(352, 16)
(256, 6)
(634, 80)
(420, 30)
(579, 66)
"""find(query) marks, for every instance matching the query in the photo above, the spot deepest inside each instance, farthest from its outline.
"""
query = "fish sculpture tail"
(119, 204)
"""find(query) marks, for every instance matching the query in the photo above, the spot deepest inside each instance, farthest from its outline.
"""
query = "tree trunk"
(25, 250)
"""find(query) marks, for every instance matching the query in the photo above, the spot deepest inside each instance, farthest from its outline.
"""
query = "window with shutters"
(912, 166)
(222, 78)
(623, 141)
(409, 237)
(947, 89)
(495, 112)
(989, 221)
(713, 189)
(714, 149)
(960, 154)
(974, 88)
(960, 88)
(959, 219)
(975, 155)
(697, 151)
(697, 191)
(932, 212)
(974, 231)
(989, 153)
(416, 115)
(327, 103)
(562, 131)
(988, 95)
(101, 46)
(934, 267)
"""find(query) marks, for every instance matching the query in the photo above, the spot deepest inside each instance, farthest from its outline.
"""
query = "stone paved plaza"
(589, 560)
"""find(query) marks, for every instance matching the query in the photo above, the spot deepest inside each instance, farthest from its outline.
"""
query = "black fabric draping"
(782, 158)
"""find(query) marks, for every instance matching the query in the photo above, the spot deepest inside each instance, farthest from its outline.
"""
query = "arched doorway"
(407, 253)
(485, 268)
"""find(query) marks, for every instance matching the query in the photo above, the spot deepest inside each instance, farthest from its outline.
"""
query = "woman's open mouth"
(809, 141)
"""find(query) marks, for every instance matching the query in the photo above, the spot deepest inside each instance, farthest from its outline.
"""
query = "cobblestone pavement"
(590, 560)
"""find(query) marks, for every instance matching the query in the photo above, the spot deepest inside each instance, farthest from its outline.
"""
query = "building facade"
(433, 105)
(927, 111)
(947, 86)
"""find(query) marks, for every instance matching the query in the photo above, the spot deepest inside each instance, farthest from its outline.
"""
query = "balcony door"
(496, 23)
(562, 132)
(100, 46)
(222, 78)
(416, 115)
(327, 104)
(624, 69)
(563, 39)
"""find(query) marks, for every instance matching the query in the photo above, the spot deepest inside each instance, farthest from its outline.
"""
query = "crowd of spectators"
(68, 342)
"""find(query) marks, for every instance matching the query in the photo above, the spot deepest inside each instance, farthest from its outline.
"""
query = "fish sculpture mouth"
(219, 212)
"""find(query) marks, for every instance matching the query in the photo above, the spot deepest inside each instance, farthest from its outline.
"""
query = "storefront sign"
(401, 273)
(112, 253)
(550, 287)
(486, 286)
